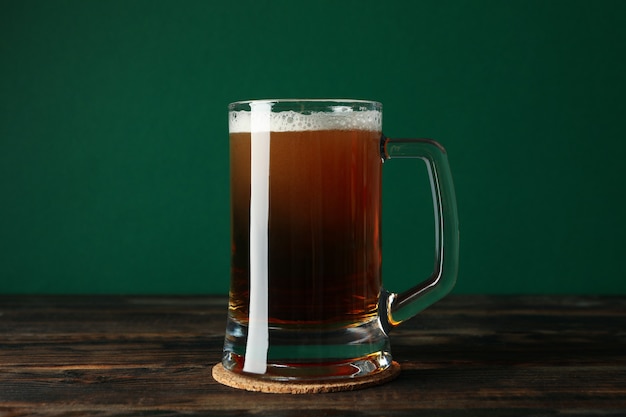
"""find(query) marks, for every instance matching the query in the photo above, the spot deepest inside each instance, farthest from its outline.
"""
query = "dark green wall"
(113, 134)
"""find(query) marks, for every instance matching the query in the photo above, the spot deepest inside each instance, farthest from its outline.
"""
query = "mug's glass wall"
(306, 239)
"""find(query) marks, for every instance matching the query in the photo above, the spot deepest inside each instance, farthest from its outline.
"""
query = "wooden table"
(465, 356)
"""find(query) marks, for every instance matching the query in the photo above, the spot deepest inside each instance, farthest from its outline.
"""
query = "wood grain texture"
(465, 356)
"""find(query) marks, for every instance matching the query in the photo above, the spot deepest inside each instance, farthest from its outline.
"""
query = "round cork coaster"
(231, 379)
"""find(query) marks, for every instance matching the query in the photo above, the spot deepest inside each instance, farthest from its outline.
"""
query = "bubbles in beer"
(342, 118)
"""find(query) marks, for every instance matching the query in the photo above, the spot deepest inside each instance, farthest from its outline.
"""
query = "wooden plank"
(467, 355)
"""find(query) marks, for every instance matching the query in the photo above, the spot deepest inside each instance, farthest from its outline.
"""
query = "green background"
(114, 144)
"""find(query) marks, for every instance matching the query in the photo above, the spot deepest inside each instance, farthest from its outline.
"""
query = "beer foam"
(342, 118)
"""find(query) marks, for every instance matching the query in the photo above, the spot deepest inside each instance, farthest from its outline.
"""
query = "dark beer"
(323, 229)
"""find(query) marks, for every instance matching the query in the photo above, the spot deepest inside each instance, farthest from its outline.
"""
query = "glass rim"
(313, 102)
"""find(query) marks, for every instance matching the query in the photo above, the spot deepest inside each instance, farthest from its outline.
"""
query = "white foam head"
(341, 118)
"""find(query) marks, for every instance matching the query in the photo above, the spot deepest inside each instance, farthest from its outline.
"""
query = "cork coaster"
(239, 381)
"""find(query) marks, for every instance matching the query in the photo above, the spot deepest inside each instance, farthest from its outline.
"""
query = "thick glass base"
(304, 353)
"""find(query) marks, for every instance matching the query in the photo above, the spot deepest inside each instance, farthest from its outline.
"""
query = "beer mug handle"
(397, 308)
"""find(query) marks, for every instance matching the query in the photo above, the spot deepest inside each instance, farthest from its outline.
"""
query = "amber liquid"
(324, 243)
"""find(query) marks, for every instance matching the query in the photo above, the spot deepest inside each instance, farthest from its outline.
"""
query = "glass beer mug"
(306, 299)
